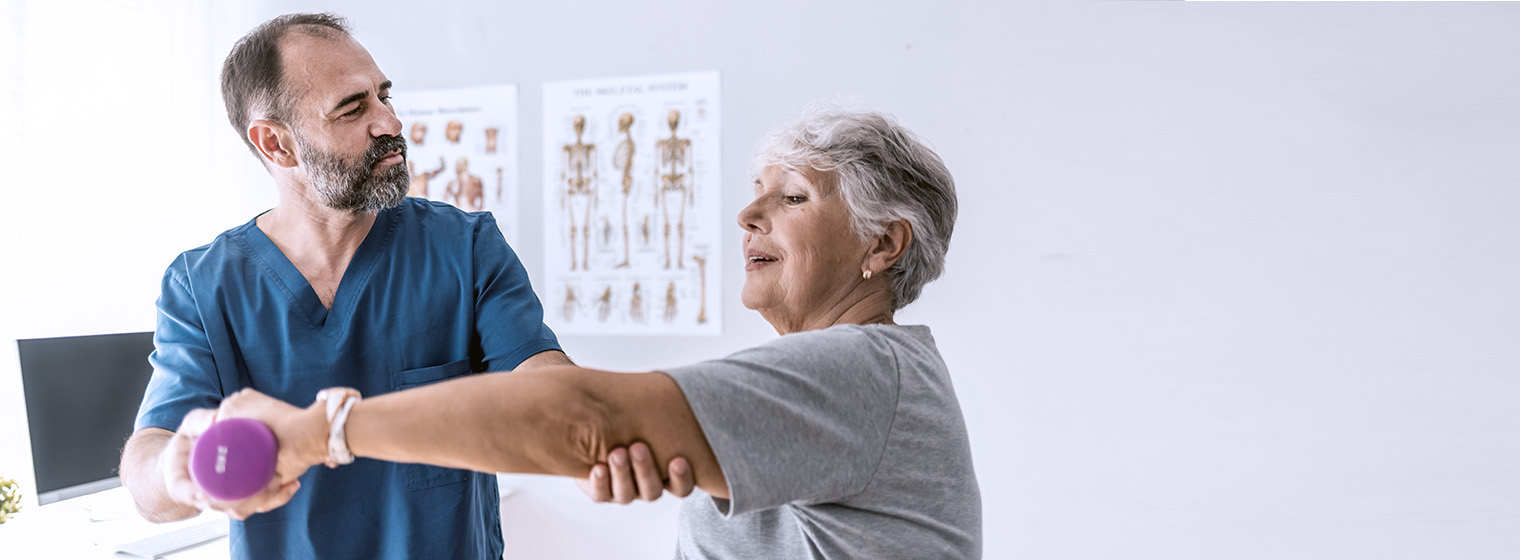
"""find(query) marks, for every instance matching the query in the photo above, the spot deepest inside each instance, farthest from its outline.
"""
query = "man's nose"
(387, 125)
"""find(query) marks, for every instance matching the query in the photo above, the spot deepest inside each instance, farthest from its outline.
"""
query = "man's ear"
(275, 144)
(889, 246)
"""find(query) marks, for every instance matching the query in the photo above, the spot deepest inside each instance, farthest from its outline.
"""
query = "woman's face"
(801, 258)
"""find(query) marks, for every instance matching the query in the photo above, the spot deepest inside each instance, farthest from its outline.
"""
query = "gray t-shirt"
(842, 443)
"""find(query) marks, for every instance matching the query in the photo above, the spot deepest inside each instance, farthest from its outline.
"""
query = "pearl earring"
(866, 274)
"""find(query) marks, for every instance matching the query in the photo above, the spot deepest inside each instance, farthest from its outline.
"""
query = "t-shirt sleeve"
(802, 419)
(184, 372)
(508, 315)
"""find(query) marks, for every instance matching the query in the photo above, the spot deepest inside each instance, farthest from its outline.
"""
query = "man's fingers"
(644, 473)
(601, 483)
(184, 491)
(681, 480)
(268, 499)
(280, 497)
(196, 422)
(623, 488)
(174, 463)
(596, 485)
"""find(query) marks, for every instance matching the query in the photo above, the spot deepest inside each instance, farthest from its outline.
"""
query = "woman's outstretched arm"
(558, 420)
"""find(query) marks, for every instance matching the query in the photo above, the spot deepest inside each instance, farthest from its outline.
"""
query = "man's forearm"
(141, 474)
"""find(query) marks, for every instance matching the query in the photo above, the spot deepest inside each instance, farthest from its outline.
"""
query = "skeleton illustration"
(702, 268)
(604, 305)
(670, 302)
(674, 175)
(622, 158)
(578, 176)
(636, 305)
(568, 311)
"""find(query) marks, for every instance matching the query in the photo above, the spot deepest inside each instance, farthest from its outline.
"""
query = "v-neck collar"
(303, 297)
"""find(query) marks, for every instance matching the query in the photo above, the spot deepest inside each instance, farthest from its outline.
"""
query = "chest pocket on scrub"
(419, 477)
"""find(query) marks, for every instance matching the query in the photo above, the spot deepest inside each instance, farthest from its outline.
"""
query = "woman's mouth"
(754, 260)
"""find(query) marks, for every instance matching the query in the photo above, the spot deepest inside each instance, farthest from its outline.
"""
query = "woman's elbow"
(578, 433)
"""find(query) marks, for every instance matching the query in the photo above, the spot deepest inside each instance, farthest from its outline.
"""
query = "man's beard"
(357, 188)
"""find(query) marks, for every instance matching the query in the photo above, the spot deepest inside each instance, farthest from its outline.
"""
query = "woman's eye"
(795, 199)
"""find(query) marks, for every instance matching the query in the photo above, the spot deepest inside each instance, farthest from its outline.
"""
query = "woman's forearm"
(527, 422)
(557, 420)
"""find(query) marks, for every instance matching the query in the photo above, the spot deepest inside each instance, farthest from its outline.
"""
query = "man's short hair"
(252, 76)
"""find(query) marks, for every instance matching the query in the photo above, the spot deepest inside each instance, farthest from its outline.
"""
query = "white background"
(1229, 280)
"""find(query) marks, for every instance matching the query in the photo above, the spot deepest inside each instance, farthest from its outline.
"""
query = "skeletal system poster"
(462, 148)
(631, 205)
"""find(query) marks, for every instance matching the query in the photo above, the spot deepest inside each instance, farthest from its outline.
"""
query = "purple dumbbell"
(234, 459)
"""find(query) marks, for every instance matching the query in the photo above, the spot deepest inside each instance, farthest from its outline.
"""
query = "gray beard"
(357, 188)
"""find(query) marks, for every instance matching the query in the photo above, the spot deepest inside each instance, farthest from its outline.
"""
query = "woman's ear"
(889, 247)
(275, 144)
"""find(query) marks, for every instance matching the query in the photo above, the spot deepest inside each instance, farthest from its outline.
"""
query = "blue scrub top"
(432, 293)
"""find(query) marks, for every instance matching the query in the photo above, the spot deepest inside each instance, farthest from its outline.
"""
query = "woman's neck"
(871, 308)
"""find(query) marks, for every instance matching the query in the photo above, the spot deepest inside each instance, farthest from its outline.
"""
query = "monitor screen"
(82, 395)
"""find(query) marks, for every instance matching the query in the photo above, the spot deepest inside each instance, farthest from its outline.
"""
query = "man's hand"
(623, 480)
(174, 461)
(630, 474)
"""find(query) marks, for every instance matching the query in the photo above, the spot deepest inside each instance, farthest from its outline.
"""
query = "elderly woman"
(840, 439)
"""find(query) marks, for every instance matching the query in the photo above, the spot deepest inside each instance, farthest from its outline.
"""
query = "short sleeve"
(508, 315)
(802, 419)
(184, 371)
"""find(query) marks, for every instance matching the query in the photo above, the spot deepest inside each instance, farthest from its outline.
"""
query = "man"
(345, 282)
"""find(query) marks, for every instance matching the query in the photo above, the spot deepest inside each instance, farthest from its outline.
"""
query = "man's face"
(348, 139)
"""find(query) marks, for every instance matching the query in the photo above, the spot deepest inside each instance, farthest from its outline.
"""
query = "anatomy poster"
(632, 225)
(462, 148)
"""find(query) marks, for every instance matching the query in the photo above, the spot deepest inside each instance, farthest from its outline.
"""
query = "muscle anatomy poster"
(462, 148)
(632, 205)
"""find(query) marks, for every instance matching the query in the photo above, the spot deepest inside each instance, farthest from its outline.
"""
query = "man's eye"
(795, 199)
(385, 99)
(353, 112)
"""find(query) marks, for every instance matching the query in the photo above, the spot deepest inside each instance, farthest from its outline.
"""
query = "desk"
(541, 517)
(90, 528)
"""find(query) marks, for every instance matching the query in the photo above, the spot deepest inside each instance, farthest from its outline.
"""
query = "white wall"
(117, 158)
(1229, 280)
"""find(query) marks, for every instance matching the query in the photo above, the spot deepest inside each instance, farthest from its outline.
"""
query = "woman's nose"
(752, 218)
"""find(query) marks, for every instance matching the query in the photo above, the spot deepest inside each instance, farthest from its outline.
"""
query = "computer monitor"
(82, 394)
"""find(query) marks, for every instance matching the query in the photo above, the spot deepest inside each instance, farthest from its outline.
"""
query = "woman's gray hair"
(885, 174)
